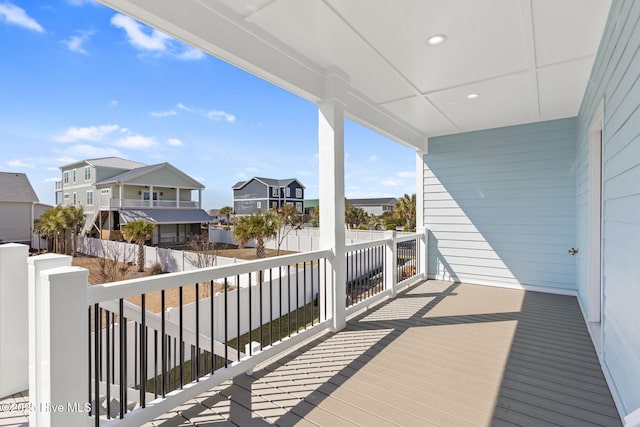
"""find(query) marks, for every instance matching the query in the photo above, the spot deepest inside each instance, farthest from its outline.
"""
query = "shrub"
(155, 269)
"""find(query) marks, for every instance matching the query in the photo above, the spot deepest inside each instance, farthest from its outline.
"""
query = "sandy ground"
(153, 301)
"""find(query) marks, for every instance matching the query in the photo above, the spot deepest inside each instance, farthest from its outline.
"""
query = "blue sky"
(80, 81)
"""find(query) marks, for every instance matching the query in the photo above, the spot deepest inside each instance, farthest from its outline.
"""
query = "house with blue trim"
(262, 194)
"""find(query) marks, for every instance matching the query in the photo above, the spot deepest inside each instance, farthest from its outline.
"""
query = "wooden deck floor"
(440, 354)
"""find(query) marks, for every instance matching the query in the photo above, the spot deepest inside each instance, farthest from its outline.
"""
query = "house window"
(299, 193)
(258, 205)
(74, 176)
(288, 192)
(66, 196)
(75, 198)
(89, 198)
(87, 173)
(299, 207)
(274, 205)
(65, 177)
(105, 191)
(275, 191)
(146, 195)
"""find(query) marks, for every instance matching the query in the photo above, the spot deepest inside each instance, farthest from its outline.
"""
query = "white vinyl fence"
(171, 260)
(303, 240)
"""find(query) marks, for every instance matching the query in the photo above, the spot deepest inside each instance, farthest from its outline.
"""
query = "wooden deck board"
(439, 354)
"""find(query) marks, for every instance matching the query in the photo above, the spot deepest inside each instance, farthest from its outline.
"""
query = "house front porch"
(441, 353)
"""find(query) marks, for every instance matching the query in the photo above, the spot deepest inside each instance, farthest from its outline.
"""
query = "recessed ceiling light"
(436, 40)
(472, 96)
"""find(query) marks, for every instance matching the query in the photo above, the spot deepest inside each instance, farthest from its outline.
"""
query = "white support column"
(178, 197)
(331, 192)
(36, 265)
(62, 363)
(151, 195)
(14, 333)
(423, 251)
(420, 214)
(420, 188)
(391, 263)
(121, 196)
(200, 198)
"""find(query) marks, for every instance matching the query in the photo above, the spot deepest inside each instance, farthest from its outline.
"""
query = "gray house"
(262, 194)
(19, 208)
(113, 191)
(375, 206)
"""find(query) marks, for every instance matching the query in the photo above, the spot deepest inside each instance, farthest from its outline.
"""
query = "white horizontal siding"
(500, 205)
(615, 80)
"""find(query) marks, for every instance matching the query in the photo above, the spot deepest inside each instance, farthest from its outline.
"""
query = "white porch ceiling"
(529, 60)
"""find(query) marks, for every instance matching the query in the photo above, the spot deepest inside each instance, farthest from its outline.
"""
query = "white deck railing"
(111, 203)
(157, 357)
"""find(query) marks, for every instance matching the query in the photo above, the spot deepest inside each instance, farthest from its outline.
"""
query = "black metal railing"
(365, 273)
(407, 259)
(146, 346)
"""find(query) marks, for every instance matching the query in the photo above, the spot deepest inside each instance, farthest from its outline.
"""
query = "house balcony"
(264, 349)
(114, 204)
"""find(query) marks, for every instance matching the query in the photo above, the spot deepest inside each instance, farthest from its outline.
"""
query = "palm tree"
(138, 231)
(226, 212)
(39, 228)
(376, 222)
(353, 215)
(71, 218)
(56, 226)
(406, 209)
(258, 227)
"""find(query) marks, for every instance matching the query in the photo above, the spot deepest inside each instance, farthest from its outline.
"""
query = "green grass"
(270, 332)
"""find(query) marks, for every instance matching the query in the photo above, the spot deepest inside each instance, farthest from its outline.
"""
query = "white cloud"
(175, 142)
(113, 103)
(89, 133)
(163, 113)
(51, 179)
(182, 106)
(148, 39)
(65, 160)
(201, 179)
(373, 157)
(218, 115)
(136, 142)
(53, 169)
(76, 43)
(12, 14)
(406, 174)
(155, 41)
(80, 2)
(19, 164)
(85, 151)
(190, 54)
(389, 183)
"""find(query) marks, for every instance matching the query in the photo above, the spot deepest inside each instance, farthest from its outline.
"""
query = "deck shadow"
(549, 372)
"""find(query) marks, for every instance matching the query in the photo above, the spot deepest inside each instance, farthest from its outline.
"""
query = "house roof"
(270, 182)
(527, 60)
(109, 162)
(165, 216)
(15, 187)
(373, 202)
(132, 174)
